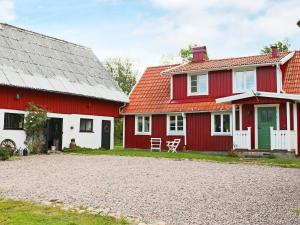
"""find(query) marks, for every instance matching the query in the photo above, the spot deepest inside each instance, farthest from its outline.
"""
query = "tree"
(34, 126)
(282, 46)
(186, 54)
(167, 59)
(122, 71)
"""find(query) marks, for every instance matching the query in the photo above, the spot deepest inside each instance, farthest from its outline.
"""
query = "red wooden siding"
(266, 79)
(57, 103)
(248, 118)
(219, 82)
(159, 130)
(199, 134)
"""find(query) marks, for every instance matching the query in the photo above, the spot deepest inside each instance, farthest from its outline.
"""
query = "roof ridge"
(42, 35)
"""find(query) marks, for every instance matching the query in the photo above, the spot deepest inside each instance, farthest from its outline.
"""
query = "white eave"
(230, 99)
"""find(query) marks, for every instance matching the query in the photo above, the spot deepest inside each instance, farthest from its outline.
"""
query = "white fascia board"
(229, 99)
(287, 58)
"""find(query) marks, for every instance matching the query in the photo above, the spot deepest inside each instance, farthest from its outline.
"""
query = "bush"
(4, 153)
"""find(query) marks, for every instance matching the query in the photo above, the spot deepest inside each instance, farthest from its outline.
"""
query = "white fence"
(283, 139)
(242, 139)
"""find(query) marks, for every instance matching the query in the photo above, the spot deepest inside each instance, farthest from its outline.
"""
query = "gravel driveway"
(173, 191)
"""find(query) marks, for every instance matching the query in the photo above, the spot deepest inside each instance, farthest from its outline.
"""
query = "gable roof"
(219, 64)
(152, 95)
(292, 77)
(36, 61)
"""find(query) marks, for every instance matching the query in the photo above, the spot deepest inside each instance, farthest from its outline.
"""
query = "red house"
(215, 105)
(66, 79)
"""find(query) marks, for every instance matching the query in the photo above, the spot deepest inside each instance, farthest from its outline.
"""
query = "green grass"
(297, 211)
(119, 151)
(18, 212)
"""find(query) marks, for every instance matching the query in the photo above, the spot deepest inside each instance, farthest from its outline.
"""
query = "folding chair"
(156, 144)
(173, 145)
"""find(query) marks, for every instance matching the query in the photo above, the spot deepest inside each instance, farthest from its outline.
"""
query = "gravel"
(177, 192)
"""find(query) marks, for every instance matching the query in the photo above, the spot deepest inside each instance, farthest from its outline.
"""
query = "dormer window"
(244, 80)
(198, 84)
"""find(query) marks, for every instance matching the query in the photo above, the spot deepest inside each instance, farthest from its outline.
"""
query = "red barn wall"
(266, 79)
(220, 85)
(57, 103)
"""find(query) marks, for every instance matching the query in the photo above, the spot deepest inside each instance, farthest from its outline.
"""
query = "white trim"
(233, 118)
(278, 78)
(198, 93)
(213, 133)
(256, 121)
(286, 58)
(136, 132)
(233, 80)
(295, 115)
(176, 133)
(250, 94)
(164, 113)
(288, 116)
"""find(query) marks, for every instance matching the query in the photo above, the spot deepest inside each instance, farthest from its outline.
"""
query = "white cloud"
(7, 10)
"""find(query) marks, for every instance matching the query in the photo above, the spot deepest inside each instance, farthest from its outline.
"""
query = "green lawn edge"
(119, 151)
(13, 212)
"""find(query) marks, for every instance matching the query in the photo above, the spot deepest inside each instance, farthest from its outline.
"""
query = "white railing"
(283, 139)
(242, 139)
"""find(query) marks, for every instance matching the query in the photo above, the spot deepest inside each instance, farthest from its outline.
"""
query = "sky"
(148, 31)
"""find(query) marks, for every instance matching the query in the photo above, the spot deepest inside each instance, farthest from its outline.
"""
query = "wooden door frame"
(256, 118)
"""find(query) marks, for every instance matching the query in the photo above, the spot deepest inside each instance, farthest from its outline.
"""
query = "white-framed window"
(143, 125)
(175, 124)
(198, 84)
(244, 80)
(221, 124)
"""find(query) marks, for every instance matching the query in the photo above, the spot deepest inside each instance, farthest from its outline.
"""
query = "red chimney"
(199, 54)
(274, 51)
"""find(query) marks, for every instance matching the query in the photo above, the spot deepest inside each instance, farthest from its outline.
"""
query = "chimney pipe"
(199, 54)
(274, 51)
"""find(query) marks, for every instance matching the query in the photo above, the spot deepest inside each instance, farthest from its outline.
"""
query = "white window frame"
(176, 132)
(213, 133)
(143, 128)
(190, 93)
(234, 72)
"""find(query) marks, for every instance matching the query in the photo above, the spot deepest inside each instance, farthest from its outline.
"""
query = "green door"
(266, 118)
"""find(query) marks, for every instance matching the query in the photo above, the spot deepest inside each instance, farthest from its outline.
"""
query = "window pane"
(217, 124)
(140, 124)
(203, 83)
(89, 125)
(172, 123)
(179, 123)
(13, 121)
(194, 84)
(82, 125)
(238, 81)
(250, 80)
(226, 123)
(147, 124)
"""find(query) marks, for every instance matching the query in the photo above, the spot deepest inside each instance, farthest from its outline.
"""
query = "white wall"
(90, 140)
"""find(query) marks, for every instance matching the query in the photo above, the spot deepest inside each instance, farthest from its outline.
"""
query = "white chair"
(156, 144)
(173, 145)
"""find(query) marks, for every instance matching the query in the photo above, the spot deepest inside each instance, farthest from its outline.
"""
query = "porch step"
(263, 153)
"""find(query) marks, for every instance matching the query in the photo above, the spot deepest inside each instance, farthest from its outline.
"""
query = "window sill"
(197, 94)
(82, 131)
(175, 134)
(142, 133)
(221, 134)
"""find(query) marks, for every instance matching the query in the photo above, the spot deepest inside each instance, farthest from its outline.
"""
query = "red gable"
(152, 95)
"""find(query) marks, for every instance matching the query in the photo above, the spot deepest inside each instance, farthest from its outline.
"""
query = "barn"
(67, 80)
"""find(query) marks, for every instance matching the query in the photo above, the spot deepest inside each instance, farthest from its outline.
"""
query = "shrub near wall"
(4, 154)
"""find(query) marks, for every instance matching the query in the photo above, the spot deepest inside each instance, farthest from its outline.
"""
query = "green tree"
(34, 126)
(282, 46)
(123, 72)
(186, 54)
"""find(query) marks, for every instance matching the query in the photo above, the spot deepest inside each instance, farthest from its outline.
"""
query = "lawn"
(18, 212)
(119, 151)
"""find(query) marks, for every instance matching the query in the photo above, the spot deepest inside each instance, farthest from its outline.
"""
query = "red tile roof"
(152, 95)
(226, 63)
(292, 77)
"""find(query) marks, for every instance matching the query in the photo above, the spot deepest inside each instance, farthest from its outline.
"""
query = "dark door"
(266, 118)
(54, 133)
(105, 134)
